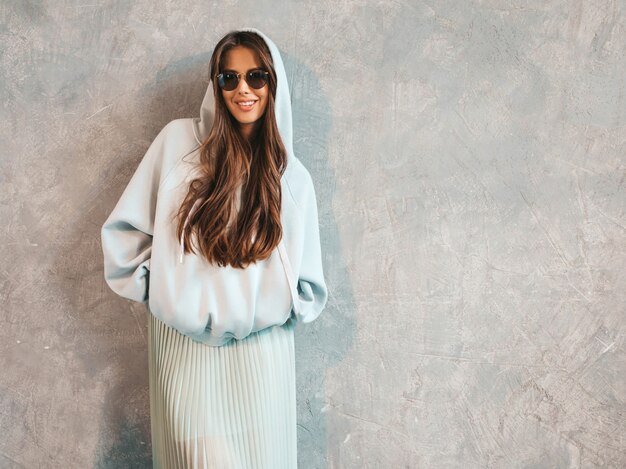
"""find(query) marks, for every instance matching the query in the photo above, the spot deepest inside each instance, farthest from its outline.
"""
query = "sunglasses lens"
(256, 79)
(227, 81)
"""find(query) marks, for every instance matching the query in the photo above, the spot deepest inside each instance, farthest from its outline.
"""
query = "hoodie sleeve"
(312, 290)
(127, 232)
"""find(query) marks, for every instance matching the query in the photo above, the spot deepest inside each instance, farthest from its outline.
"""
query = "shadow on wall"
(114, 331)
(323, 343)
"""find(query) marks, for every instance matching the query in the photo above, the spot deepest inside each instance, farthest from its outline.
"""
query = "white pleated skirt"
(232, 406)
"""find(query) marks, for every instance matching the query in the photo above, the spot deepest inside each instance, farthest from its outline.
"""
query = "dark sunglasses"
(256, 79)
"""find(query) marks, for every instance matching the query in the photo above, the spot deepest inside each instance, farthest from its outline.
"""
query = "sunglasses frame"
(220, 79)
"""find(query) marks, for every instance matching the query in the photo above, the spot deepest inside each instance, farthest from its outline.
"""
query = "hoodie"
(144, 261)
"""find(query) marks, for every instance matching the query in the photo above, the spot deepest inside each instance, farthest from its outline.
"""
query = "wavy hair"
(231, 166)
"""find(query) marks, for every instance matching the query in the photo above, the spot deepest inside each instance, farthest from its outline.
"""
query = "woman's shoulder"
(299, 181)
(177, 140)
(176, 137)
(179, 132)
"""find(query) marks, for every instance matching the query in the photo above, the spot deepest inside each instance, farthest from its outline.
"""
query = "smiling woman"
(221, 241)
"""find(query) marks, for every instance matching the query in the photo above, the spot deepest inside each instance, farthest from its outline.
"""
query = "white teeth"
(247, 103)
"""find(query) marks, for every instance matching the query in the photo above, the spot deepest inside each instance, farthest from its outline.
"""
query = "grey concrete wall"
(469, 162)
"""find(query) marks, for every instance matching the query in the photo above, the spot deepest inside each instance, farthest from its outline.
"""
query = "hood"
(202, 125)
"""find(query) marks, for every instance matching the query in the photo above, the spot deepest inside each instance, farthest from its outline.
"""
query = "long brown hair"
(228, 164)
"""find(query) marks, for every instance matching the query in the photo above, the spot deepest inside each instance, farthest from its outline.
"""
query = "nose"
(242, 86)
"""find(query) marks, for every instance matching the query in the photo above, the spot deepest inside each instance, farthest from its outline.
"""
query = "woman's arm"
(127, 233)
(312, 290)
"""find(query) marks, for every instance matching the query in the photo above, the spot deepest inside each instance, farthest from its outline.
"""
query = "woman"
(217, 233)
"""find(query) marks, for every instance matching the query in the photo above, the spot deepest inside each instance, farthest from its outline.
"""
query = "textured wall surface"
(469, 159)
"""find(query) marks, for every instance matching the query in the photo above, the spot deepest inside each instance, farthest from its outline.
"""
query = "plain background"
(468, 158)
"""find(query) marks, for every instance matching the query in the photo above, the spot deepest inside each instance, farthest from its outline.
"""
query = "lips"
(246, 105)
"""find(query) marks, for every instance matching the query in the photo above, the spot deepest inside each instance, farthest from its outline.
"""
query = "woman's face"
(241, 60)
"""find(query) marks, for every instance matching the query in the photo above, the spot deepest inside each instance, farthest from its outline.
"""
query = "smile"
(246, 105)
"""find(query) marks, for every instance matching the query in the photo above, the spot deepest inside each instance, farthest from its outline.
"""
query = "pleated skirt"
(227, 407)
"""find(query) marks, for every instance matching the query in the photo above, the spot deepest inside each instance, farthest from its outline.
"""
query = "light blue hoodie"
(211, 304)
